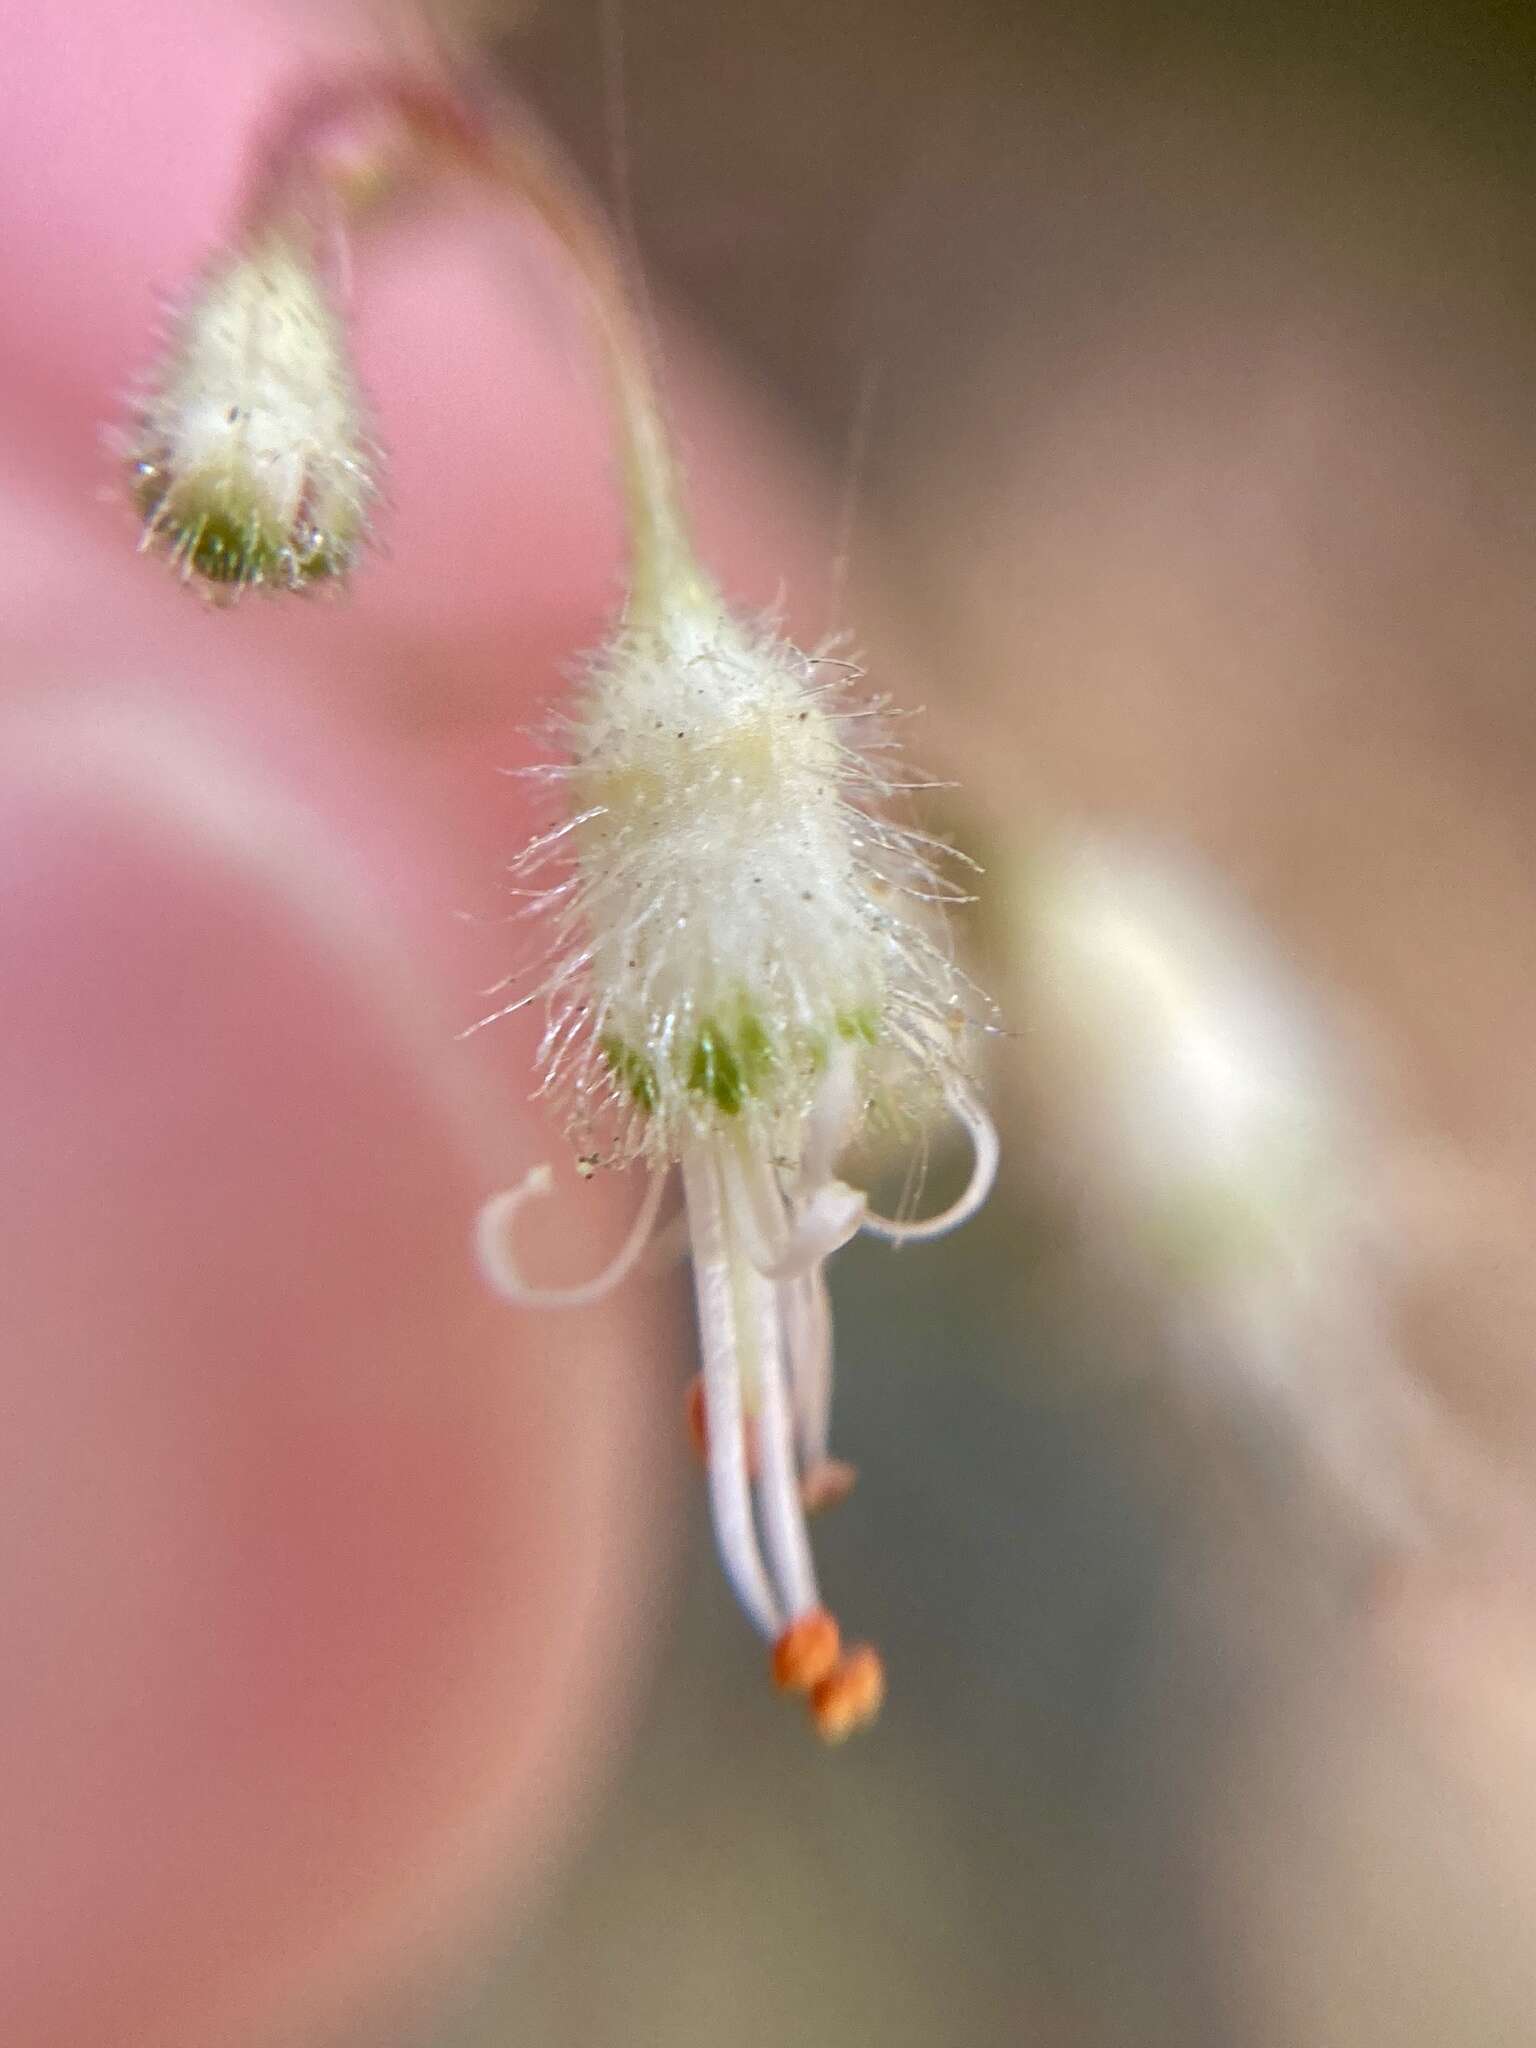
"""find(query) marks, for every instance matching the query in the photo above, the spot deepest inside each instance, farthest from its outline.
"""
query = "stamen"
(830, 1217)
(984, 1142)
(782, 1241)
(851, 1696)
(808, 1341)
(827, 1485)
(758, 1209)
(696, 1422)
(832, 1115)
(498, 1261)
(807, 1652)
(778, 1486)
(730, 1496)
(696, 1418)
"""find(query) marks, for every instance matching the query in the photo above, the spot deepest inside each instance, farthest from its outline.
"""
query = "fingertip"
(320, 1562)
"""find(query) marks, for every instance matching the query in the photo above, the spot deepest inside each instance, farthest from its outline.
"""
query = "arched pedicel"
(745, 957)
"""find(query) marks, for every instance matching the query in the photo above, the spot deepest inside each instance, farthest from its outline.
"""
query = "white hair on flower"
(745, 965)
(728, 901)
(248, 459)
(747, 961)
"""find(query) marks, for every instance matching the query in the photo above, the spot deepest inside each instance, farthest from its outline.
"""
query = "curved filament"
(782, 1239)
(498, 1261)
(985, 1151)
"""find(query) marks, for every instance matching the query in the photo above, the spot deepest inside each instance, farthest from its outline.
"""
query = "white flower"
(746, 966)
(747, 960)
(247, 459)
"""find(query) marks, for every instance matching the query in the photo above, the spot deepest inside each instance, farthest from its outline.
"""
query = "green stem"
(301, 171)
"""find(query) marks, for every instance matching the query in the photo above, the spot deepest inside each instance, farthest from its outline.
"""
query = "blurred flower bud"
(1208, 1139)
(1184, 1089)
(247, 459)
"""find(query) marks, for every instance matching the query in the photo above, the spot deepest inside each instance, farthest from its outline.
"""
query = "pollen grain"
(806, 1654)
(850, 1696)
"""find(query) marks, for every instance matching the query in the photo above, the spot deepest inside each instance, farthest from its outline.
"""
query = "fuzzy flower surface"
(248, 460)
(747, 967)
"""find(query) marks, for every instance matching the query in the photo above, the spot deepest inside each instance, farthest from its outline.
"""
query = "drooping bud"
(248, 461)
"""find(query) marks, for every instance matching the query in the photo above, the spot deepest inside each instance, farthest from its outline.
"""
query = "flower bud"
(1185, 1090)
(247, 461)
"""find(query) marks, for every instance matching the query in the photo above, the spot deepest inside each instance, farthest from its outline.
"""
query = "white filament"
(778, 1484)
(984, 1158)
(807, 1318)
(730, 1496)
(499, 1263)
(833, 1113)
(784, 1240)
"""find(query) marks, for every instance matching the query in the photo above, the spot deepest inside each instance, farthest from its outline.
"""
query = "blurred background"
(1147, 392)
(1169, 374)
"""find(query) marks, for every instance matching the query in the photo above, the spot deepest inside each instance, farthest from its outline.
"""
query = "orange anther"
(807, 1652)
(850, 1696)
(696, 1416)
(827, 1484)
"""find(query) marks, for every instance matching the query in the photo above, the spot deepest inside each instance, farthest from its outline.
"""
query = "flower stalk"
(747, 963)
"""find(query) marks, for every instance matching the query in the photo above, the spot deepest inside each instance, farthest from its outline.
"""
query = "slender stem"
(664, 568)
(319, 166)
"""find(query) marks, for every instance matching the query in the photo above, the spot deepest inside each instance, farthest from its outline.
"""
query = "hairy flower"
(746, 967)
(247, 458)
(747, 964)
